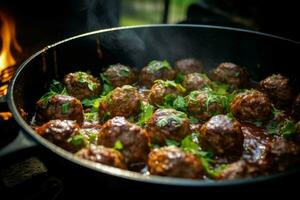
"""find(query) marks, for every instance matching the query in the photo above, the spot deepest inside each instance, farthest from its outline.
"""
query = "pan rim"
(120, 173)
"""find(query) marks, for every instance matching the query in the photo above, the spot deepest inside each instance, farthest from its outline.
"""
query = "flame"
(7, 40)
(5, 116)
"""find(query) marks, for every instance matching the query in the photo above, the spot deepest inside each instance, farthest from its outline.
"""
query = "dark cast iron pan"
(262, 54)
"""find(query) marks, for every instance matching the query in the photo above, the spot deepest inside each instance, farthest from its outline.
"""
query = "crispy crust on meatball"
(120, 75)
(222, 136)
(173, 161)
(251, 105)
(82, 85)
(134, 140)
(188, 66)
(59, 107)
(103, 155)
(195, 81)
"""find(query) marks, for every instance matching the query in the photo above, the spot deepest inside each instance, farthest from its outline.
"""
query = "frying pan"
(262, 54)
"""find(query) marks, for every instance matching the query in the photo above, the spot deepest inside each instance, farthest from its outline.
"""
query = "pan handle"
(22, 141)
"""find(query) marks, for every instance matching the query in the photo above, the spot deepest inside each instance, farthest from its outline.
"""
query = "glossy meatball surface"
(119, 75)
(277, 87)
(251, 105)
(131, 140)
(167, 124)
(161, 89)
(103, 155)
(222, 135)
(156, 70)
(188, 66)
(59, 107)
(82, 85)
(173, 161)
(122, 101)
(59, 131)
(195, 81)
(201, 106)
(231, 74)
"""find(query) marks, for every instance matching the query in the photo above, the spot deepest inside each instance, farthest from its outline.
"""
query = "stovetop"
(29, 171)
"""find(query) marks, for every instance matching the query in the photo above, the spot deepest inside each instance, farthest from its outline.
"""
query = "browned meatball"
(296, 108)
(238, 170)
(195, 81)
(202, 107)
(277, 87)
(119, 75)
(222, 136)
(188, 66)
(59, 107)
(173, 161)
(122, 101)
(231, 74)
(59, 132)
(82, 85)
(161, 89)
(156, 70)
(130, 139)
(251, 105)
(167, 124)
(103, 155)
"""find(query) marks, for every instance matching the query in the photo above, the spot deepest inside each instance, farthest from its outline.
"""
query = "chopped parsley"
(171, 84)
(118, 145)
(91, 103)
(124, 72)
(237, 74)
(55, 88)
(86, 78)
(286, 128)
(77, 141)
(147, 112)
(191, 144)
(65, 108)
(159, 65)
(276, 112)
(180, 104)
(194, 120)
(179, 77)
(177, 118)
(107, 86)
(170, 142)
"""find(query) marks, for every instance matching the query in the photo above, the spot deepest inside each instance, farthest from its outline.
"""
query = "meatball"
(238, 170)
(173, 161)
(82, 85)
(251, 105)
(167, 124)
(156, 70)
(103, 155)
(223, 136)
(277, 87)
(296, 108)
(120, 75)
(130, 139)
(195, 81)
(59, 132)
(188, 66)
(231, 74)
(202, 107)
(122, 101)
(59, 107)
(162, 89)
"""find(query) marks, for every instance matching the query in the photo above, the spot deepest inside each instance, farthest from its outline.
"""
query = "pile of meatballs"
(98, 118)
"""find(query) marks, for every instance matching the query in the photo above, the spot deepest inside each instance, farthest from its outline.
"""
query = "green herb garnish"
(77, 141)
(65, 108)
(107, 86)
(84, 77)
(159, 65)
(170, 142)
(180, 104)
(55, 88)
(118, 145)
(171, 84)
(147, 112)
(179, 77)
(286, 128)
(176, 118)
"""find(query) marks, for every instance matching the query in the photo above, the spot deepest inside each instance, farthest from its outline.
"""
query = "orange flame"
(8, 37)
(7, 40)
